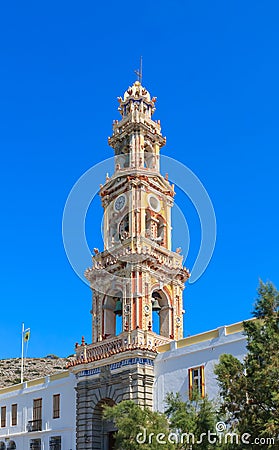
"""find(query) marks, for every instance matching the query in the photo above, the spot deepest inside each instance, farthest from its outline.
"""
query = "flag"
(26, 336)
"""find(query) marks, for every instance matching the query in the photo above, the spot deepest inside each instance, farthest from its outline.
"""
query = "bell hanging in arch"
(118, 307)
(155, 305)
(155, 302)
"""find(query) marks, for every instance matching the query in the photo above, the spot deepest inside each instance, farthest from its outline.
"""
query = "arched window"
(11, 445)
(112, 315)
(148, 224)
(149, 158)
(161, 231)
(124, 227)
(161, 313)
(122, 157)
(114, 235)
(2, 445)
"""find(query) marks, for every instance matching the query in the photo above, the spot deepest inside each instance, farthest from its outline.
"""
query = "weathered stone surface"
(10, 369)
(133, 382)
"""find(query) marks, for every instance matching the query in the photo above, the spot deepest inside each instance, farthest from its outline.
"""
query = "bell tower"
(136, 280)
(138, 272)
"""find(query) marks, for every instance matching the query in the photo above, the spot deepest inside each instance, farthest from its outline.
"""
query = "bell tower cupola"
(137, 138)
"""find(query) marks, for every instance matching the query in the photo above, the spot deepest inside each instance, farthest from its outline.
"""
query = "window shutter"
(190, 375)
(202, 382)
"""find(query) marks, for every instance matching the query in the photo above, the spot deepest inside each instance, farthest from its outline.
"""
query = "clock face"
(154, 203)
(120, 202)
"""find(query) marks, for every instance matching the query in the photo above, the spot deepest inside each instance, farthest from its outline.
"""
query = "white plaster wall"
(63, 426)
(171, 368)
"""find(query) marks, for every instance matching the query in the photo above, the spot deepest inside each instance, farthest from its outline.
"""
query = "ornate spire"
(137, 98)
(137, 138)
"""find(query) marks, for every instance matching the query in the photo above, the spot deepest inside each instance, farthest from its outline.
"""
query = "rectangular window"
(196, 381)
(14, 414)
(56, 406)
(55, 443)
(3, 416)
(37, 415)
(35, 444)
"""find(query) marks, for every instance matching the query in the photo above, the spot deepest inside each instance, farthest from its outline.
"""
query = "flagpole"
(22, 349)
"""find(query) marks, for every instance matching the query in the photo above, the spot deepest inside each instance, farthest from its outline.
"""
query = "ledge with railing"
(34, 425)
(127, 341)
(137, 249)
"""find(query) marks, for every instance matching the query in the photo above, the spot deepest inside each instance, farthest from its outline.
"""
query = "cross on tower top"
(139, 72)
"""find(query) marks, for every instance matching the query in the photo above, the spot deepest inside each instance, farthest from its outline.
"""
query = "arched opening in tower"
(124, 227)
(112, 315)
(161, 313)
(122, 158)
(149, 158)
(155, 227)
(161, 230)
(148, 224)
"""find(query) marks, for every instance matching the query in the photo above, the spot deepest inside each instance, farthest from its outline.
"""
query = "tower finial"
(139, 72)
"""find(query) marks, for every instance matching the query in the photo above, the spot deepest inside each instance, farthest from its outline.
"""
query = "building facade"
(189, 363)
(43, 414)
(39, 414)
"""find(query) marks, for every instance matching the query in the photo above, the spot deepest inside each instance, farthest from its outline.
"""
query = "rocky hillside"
(33, 368)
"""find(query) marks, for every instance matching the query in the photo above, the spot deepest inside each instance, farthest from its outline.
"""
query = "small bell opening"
(155, 302)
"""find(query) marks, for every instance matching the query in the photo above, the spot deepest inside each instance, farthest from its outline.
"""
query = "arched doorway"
(103, 430)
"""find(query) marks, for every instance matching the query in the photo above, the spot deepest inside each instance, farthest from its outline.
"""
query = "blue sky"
(214, 68)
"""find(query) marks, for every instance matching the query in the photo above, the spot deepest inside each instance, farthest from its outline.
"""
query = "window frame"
(37, 414)
(55, 442)
(201, 380)
(56, 407)
(3, 416)
(14, 414)
(35, 443)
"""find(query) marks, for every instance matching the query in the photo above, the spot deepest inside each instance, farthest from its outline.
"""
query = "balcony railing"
(125, 341)
(34, 425)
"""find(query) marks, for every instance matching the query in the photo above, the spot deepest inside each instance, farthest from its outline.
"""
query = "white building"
(190, 362)
(39, 414)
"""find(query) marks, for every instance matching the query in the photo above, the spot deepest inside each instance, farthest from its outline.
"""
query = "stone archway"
(130, 377)
(163, 325)
(103, 431)
(109, 319)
